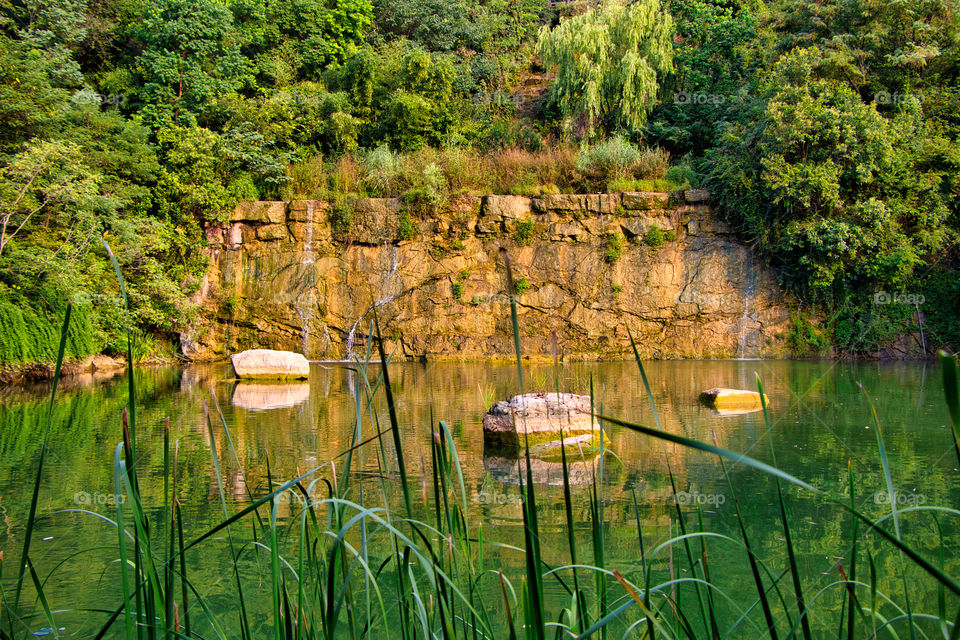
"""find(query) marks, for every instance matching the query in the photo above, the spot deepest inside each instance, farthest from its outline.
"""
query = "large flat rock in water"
(269, 364)
(731, 399)
(539, 416)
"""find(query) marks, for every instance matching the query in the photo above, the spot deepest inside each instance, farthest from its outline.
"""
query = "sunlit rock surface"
(539, 416)
(441, 293)
(269, 363)
(731, 401)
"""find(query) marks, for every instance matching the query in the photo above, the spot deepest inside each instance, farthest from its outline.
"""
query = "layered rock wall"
(305, 277)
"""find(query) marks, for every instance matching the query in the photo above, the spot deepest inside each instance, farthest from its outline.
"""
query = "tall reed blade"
(891, 492)
(394, 423)
(530, 529)
(788, 538)
(131, 385)
(35, 497)
(951, 389)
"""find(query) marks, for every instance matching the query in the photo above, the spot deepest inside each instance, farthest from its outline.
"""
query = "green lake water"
(822, 427)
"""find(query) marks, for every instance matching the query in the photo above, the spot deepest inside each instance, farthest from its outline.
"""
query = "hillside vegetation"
(828, 131)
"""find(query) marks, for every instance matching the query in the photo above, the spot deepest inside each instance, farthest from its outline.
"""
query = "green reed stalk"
(34, 498)
(394, 423)
(788, 538)
(951, 389)
(534, 612)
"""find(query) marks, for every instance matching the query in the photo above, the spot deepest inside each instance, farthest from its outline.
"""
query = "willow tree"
(608, 63)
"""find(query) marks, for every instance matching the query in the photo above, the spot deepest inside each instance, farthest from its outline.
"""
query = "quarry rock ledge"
(283, 276)
(270, 364)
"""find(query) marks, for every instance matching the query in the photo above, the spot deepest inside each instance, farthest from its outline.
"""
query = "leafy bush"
(682, 176)
(841, 198)
(457, 290)
(382, 169)
(341, 220)
(655, 236)
(33, 335)
(429, 192)
(406, 227)
(523, 232)
(521, 286)
(614, 250)
(617, 159)
(804, 338)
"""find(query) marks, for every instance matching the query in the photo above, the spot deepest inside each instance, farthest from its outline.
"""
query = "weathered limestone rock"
(566, 230)
(603, 203)
(264, 212)
(254, 396)
(214, 235)
(269, 363)
(310, 234)
(235, 235)
(732, 399)
(540, 416)
(376, 220)
(642, 200)
(308, 211)
(561, 202)
(304, 293)
(489, 226)
(272, 232)
(696, 195)
(633, 227)
(507, 207)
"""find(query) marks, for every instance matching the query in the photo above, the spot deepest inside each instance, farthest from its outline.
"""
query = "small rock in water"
(732, 399)
(540, 416)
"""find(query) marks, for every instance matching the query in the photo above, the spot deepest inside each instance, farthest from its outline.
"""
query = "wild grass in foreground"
(356, 564)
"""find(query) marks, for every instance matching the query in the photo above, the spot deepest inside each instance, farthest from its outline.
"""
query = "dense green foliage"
(828, 132)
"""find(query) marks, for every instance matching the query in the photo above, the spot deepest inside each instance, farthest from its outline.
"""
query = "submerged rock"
(732, 400)
(268, 363)
(539, 416)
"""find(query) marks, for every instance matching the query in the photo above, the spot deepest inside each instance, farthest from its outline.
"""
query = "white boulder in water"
(539, 416)
(268, 363)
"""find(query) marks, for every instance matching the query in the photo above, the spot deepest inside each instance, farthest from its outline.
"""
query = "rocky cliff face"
(302, 277)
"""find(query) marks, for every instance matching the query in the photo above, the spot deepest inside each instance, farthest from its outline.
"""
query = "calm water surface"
(821, 428)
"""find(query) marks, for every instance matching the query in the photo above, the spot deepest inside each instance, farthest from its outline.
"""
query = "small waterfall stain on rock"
(387, 285)
(306, 311)
(747, 340)
(308, 236)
